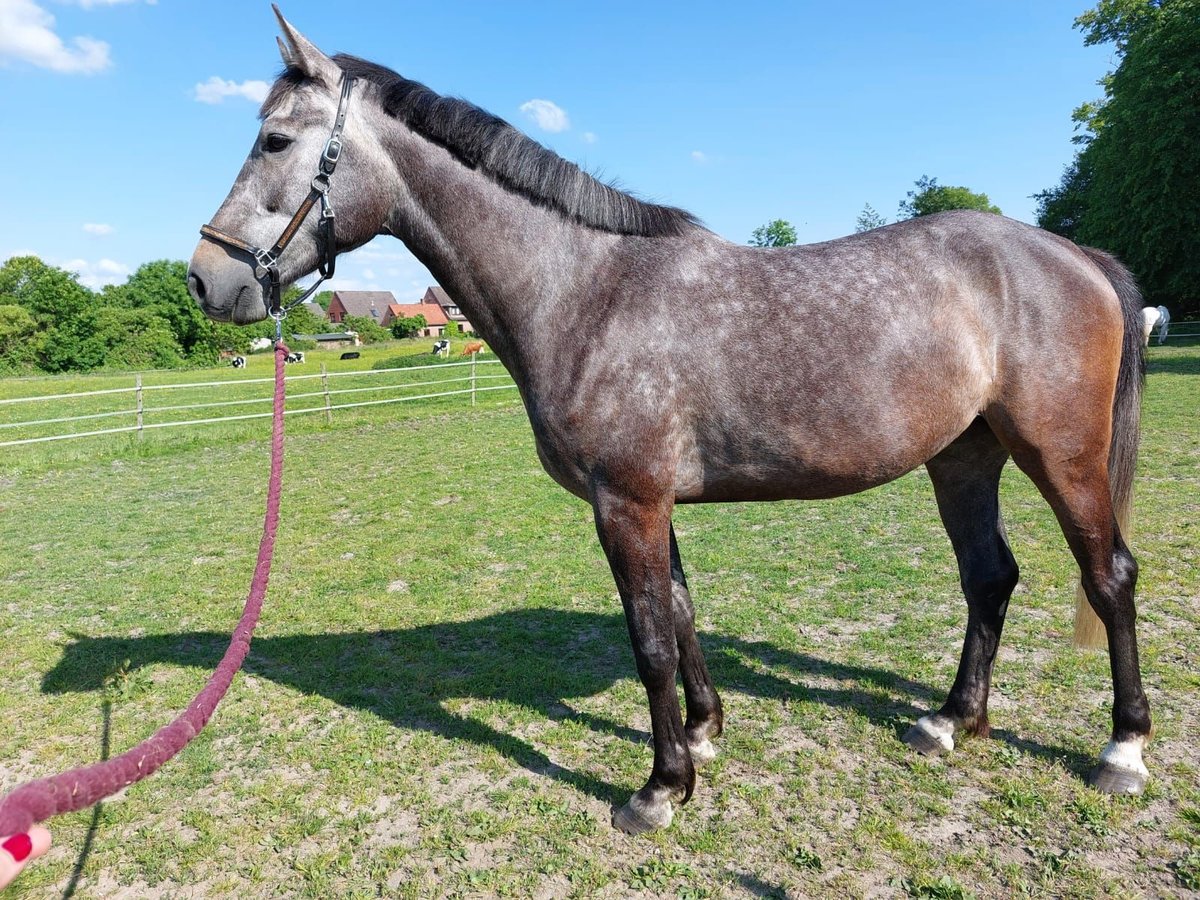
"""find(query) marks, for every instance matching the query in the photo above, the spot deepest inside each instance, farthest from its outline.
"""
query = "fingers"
(18, 850)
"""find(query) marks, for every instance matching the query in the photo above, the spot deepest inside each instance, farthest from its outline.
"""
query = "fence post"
(138, 391)
(473, 358)
(325, 384)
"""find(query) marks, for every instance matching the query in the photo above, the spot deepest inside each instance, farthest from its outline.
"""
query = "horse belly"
(816, 450)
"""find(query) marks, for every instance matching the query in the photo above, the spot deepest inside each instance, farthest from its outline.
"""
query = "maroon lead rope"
(82, 787)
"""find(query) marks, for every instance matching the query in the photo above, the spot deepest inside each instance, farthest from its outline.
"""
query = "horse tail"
(1126, 427)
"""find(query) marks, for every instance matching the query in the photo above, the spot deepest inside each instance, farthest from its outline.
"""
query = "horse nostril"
(196, 287)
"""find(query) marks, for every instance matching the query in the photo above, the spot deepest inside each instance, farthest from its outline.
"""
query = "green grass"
(441, 699)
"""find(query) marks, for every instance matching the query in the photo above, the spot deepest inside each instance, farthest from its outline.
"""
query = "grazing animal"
(297, 357)
(350, 354)
(441, 348)
(239, 362)
(1155, 317)
(965, 337)
(472, 347)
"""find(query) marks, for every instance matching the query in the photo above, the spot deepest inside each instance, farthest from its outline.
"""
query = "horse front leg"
(635, 534)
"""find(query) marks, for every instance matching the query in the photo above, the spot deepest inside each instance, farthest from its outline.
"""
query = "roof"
(431, 311)
(315, 308)
(369, 304)
(439, 296)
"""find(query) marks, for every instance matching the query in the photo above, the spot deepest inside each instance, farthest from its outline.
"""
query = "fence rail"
(1172, 331)
(466, 378)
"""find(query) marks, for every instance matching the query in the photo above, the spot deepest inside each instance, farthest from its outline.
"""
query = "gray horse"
(969, 339)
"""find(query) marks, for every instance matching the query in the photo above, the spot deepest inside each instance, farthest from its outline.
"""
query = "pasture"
(441, 699)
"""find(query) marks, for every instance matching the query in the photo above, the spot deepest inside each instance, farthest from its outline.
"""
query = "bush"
(408, 326)
(367, 330)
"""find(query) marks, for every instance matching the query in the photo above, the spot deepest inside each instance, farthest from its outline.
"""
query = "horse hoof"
(925, 740)
(637, 816)
(1110, 779)
(702, 753)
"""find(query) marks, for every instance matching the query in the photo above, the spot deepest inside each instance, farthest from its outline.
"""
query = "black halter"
(267, 261)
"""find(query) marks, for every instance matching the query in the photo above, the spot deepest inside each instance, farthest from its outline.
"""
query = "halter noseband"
(267, 261)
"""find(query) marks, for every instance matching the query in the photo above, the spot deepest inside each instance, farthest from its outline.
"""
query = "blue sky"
(125, 121)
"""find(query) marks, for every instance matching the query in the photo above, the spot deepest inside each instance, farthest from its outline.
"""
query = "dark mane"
(486, 142)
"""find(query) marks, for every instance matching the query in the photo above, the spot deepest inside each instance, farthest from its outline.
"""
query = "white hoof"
(702, 753)
(639, 815)
(931, 735)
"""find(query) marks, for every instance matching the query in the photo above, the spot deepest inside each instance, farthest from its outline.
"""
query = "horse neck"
(507, 262)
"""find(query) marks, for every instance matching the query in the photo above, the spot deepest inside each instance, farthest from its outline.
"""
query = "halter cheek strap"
(267, 261)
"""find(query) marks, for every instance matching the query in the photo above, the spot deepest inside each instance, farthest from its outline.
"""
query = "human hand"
(18, 850)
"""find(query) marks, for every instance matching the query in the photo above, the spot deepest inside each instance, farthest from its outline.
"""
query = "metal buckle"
(331, 154)
(265, 260)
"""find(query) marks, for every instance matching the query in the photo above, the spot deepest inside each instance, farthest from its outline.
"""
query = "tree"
(778, 233)
(322, 299)
(1142, 180)
(869, 219)
(931, 197)
(452, 330)
(1132, 186)
(161, 288)
(1116, 21)
(111, 337)
(49, 294)
(1061, 209)
(408, 326)
(368, 330)
(19, 339)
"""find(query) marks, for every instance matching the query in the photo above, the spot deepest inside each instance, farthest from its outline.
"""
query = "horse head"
(228, 276)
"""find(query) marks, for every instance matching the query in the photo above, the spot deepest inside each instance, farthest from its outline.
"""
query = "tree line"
(51, 323)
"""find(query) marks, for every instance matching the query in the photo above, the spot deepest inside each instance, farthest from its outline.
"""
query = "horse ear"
(301, 53)
(285, 53)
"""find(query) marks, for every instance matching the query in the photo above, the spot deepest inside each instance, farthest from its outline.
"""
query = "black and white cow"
(441, 348)
(297, 357)
(238, 362)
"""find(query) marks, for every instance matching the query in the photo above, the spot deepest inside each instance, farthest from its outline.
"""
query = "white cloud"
(96, 275)
(27, 34)
(98, 228)
(216, 89)
(699, 157)
(548, 116)
(589, 137)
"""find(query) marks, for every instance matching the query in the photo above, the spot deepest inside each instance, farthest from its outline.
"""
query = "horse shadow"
(533, 658)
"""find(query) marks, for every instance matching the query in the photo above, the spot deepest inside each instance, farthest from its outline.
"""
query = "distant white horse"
(1152, 317)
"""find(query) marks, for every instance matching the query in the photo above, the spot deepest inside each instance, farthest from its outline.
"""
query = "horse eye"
(276, 143)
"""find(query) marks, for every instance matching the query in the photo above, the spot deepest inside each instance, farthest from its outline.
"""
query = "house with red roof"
(435, 319)
(435, 294)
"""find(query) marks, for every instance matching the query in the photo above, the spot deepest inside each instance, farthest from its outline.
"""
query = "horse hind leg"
(705, 718)
(1077, 489)
(966, 480)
